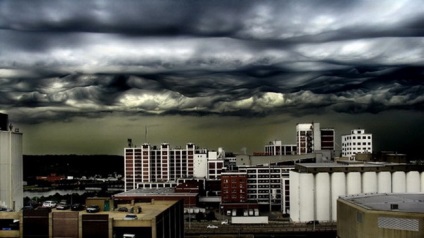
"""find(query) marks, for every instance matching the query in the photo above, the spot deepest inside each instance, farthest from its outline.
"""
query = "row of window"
(356, 137)
(354, 143)
(357, 149)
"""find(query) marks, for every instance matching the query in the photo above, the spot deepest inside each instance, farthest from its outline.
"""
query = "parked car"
(93, 209)
(122, 209)
(63, 206)
(128, 236)
(77, 207)
(315, 222)
(130, 217)
(28, 207)
(212, 226)
(50, 204)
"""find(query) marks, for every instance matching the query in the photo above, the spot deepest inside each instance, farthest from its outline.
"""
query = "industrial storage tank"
(322, 197)
(306, 197)
(369, 182)
(353, 182)
(338, 188)
(294, 196)
(422, 182)
(384, 182)
(398, 182)
(413, 180)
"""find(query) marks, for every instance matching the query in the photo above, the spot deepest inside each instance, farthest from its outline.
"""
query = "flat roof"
(148, 192)
(406, 202)
(341, 165)
(149, 210)
(356, 167)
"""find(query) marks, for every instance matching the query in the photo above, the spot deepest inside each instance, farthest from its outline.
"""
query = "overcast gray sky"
(83, 76)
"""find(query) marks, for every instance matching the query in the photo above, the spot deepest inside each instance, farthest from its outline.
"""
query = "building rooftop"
(398, 202)
(169, 192)
(345, 166)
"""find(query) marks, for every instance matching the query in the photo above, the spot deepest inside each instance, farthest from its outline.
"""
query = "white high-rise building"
(11, 167)
(357, 142)
(308, 138)
(159, 164)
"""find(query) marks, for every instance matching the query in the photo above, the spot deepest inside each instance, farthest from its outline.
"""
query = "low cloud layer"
(61, 59)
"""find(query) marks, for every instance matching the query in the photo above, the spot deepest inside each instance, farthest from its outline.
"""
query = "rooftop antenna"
(145, 134)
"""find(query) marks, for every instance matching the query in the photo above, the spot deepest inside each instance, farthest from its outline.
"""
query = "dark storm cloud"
(60, 59)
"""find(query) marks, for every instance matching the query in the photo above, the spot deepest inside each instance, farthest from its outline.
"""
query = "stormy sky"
(83, 76)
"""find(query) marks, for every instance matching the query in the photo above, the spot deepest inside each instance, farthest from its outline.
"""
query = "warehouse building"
(389, 215)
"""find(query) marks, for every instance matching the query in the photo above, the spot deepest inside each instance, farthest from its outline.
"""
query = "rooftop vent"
(394, 206)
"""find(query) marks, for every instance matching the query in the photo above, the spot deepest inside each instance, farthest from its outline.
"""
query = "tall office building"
(357, 142)
(328, 136)
(308, 138)
(11, 166)
(161, 163)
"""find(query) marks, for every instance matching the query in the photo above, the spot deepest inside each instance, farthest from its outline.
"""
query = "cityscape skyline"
(82, 77)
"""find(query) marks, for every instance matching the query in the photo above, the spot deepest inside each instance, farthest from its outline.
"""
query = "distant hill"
(72, 165)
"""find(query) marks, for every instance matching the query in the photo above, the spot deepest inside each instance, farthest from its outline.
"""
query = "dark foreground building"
(148, 219)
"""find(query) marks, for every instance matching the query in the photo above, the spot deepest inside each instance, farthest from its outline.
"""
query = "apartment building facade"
(153, 164)
(328, 139)
(268, 185)
(233, 187)
(308, 138)
(357, 142)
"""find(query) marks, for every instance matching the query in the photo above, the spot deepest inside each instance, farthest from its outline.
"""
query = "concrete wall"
(354, 222)
(11, 167)
(65, 224)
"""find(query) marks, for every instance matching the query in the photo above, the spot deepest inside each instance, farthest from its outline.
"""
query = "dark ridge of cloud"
(203, 113)
(127, 17)
(272, 20)
(259, 72)
(113, 88)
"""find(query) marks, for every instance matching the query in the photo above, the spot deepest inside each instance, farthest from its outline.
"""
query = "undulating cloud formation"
(65, 59)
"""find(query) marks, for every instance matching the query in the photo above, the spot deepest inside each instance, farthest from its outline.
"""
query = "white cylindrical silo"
(422, 182)
(306, 197)
(353, 183)
(384, 182)
(413, 180)
(322, 197)
(294, 196)
(398, 182)
(338, 188)
(369, 182)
